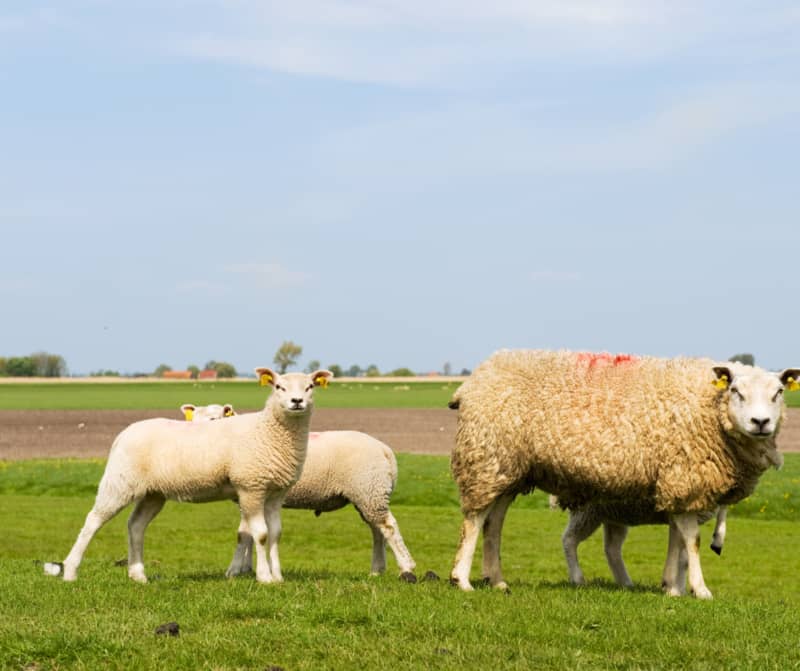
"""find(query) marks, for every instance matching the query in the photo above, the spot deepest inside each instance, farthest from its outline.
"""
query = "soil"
(27, 434)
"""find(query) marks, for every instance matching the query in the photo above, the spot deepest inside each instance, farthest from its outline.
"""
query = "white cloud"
(269, 275)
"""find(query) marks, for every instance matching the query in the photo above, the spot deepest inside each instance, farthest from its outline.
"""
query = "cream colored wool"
(678, 436)
(344, 467)
(652, 429)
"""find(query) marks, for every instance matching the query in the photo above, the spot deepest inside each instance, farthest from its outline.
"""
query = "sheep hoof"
(53, 568)
(716, 548)
(502, 586)
(407, 576)
(466, 587)
(703, 593)
(430, 576)
(171, 628)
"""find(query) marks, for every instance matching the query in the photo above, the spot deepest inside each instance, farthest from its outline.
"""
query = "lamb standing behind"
(590, 427)
(254, 458)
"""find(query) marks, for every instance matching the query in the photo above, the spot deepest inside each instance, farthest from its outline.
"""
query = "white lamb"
(252, 458)
(341, 467)
(203, 413)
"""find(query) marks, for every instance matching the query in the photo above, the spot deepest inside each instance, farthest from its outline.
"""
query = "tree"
(466, 371)
(336, 369)
(225, 369)
(447, 368)
(21, 366)
(354, 371)
(401, 372)
(287, 355)
(194, 370)
(372, 371)
(161, 369)
(49, 365)
(745, 358)
(312, 366)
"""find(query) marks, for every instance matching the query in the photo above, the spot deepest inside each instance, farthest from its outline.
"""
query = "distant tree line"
(38, 364)
(222, 368)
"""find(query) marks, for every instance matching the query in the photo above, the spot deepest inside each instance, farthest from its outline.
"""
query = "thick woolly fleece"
(602, 429)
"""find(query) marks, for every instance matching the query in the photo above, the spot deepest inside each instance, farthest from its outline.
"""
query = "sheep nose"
(761, 424)
(299, 401)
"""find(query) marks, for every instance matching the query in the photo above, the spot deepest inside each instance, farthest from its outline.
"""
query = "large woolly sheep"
(341, 467)
(682, 435)
(251, 458)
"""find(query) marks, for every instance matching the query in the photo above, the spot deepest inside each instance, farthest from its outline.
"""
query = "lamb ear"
(724, 377)
(265, 376)
(321, 377)
(188, 411)
(227, 410)
(791, 378)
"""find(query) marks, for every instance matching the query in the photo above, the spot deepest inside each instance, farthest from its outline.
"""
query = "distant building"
(207, 375)
(177, 375)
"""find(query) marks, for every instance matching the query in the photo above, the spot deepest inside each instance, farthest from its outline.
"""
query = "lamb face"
(293, 392)
(755, 399)
(206, 413)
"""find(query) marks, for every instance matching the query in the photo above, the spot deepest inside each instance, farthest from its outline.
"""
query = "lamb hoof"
(430, 576)
(502, 586)
(407, 576)
(464, 586)
(53, 568)
(703, 593)
(716, 548)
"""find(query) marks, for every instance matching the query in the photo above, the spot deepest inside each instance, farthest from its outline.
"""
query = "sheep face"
(755, 399)
(293, 392)
(206, 413)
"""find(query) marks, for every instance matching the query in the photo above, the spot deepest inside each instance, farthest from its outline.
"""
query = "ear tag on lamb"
(228, 412)
(322, 381)
(722, 382)
(188, 414)
(266, 378)
(792, 384)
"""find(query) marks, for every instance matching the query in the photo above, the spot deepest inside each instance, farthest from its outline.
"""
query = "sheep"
(206, 412)
(681, 435)
(251, 458)
(616, 518)
(341, 467)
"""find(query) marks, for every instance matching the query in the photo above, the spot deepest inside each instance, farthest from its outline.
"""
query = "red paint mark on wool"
(593, 359)
(313, 435)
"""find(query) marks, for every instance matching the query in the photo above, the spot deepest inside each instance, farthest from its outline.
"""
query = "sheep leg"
(673, 579)
(492, 530)
(242, 561)
(470, 529)
(143, 513)
(272, 513)
(582, 524)
(718, 539)
(378, 551)
(687, 527)
(613, 538)
(252, 507)
(391, 532)
(102, 511)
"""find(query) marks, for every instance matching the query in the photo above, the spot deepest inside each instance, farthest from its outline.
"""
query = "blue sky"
(398, 183)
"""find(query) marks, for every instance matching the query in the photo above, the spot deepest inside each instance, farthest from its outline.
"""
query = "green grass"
(243, 395)
(330, 615)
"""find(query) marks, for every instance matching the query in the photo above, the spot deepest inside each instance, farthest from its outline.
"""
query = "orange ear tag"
(266, 378)
(188, 414)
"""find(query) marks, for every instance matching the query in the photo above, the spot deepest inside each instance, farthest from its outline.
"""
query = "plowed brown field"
(25, 434)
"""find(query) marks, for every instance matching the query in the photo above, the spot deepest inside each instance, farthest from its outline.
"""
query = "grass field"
(331, 615)
(244, 395)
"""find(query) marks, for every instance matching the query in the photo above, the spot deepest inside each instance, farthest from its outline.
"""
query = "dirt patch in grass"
(27, 434)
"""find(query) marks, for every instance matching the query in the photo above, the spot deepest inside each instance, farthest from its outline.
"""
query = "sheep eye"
(309, 387)
(737, 393)
(279, 388)
(777, 395)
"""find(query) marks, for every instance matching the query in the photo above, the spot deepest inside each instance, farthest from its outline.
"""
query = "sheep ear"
(321, 378)
(724, 377)
(265, 376)
(227, 410)
(790, 378)
(188, 411)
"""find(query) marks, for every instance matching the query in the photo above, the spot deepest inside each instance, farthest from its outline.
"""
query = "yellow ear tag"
(322, 381)
(228, 412)
(792, 384)
(722, 382)
(266, 378)
(188, 414)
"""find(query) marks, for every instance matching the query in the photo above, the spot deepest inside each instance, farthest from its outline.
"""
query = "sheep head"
(293, 392)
